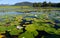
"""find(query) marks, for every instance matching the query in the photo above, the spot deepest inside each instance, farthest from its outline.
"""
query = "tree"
(58, 5)
(36, 4)
(39, 4)
(50, 4)
(44, 4)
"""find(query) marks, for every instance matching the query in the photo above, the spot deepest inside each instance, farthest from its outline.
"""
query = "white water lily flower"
(23, 37)
(36, 15)
(19, 27)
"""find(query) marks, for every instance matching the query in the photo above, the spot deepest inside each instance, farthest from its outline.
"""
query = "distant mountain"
(4, 4)
(24, 4)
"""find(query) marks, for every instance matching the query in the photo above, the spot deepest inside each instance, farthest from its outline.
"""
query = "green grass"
(26, 8)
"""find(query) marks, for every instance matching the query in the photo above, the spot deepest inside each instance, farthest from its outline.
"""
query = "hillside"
(24, 4)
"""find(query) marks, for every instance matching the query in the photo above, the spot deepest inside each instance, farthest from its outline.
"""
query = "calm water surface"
(49, 13)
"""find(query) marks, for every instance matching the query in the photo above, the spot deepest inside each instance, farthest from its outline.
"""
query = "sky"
(16, 1)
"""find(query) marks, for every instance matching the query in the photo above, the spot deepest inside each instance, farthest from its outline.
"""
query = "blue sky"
(15, 1)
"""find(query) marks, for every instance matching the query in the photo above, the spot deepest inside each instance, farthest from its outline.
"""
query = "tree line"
(45, 4)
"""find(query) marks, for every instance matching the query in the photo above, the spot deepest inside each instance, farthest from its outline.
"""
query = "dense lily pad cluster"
(16, 26)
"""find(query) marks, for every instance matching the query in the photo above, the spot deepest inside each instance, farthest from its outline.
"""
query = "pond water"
(9, 13)
(51, 14)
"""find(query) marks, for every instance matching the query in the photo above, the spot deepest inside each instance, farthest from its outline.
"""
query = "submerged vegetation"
(29, 26)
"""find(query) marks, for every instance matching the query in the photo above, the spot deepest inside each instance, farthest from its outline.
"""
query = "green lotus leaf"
(30, 28)
(26, 35)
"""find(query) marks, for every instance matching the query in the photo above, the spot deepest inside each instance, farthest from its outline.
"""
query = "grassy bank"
(25, 8)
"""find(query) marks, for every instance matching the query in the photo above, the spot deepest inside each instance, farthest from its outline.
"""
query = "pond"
(41, 12)
(51, 14)
(9, 13)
